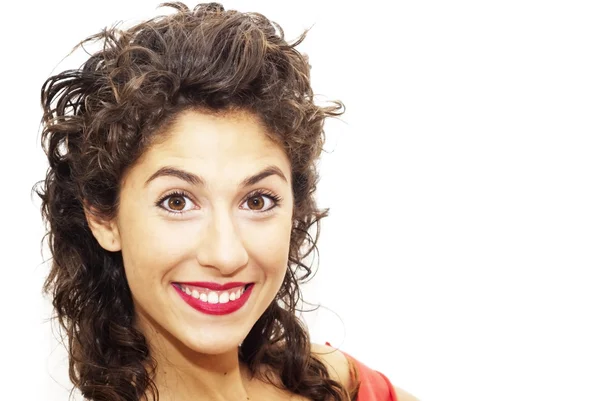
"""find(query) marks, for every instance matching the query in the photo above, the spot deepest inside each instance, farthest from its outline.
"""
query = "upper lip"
(213, 286)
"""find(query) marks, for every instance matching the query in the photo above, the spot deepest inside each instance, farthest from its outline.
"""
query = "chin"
(212, 346)
(211, 341)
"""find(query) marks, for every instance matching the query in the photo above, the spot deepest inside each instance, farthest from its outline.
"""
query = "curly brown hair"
(99, 119)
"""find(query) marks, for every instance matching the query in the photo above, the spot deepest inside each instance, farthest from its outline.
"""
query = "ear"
(104, 230)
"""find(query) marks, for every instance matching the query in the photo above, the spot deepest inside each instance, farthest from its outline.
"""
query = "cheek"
(151, 247)
(268, 245)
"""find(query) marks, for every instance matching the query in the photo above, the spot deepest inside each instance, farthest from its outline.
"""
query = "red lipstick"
(207, 292)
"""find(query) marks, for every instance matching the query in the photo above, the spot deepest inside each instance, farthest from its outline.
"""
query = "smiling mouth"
(212, 295)
(218, 299)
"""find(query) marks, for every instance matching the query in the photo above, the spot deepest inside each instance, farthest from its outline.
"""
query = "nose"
(222, 247)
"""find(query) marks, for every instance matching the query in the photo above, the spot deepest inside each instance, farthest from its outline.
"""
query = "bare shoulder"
(335, 362)
(339, 369)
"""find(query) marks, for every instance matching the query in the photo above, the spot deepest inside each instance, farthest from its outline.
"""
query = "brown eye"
(256, 203)
(176, 202)
(261, 202)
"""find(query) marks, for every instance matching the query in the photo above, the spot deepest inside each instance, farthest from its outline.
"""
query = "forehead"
(233, 131)
(232, 142)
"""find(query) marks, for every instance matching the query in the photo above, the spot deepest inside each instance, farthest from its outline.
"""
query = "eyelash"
(276, 199)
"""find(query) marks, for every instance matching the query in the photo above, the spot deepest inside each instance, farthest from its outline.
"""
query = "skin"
(212, 229)
(339, 369)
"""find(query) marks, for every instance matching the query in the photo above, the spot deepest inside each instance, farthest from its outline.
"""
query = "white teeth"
(213, 298)
(224, 298)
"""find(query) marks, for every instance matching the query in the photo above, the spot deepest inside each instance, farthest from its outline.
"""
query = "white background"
(461, 255)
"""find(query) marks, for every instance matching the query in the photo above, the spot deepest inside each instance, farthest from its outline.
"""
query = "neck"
(184, 375)
(201, 377)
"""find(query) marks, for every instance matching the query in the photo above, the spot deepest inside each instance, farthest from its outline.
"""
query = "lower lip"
(216, 309)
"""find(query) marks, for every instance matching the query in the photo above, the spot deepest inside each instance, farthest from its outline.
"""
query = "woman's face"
(208, 208)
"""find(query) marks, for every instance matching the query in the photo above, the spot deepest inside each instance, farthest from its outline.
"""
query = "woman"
(179, 200)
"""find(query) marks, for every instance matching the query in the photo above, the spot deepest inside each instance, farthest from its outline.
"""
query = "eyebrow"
(193, 179)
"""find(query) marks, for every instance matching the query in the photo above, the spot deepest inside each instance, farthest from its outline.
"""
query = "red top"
(373, 386)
